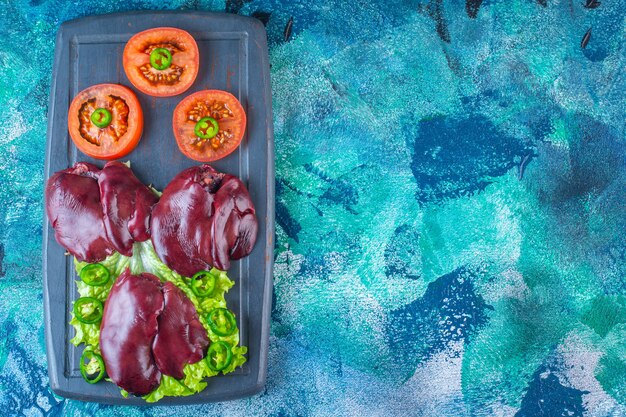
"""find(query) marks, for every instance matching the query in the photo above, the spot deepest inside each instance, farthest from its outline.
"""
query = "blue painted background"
(451, 212)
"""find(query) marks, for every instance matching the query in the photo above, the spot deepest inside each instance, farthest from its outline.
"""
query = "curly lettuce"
(89, 334)
(145, 259)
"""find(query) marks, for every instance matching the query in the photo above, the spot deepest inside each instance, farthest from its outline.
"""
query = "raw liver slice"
(75, 212)
(181, 338)
(129, 326)
(126, 204)
(233, 226)
(149, 329)
(180, 222)
(203, 219)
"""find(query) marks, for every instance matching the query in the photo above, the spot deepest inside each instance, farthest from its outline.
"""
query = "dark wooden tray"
(233, 57)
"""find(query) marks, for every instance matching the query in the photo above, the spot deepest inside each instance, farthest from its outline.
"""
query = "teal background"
(451, 208)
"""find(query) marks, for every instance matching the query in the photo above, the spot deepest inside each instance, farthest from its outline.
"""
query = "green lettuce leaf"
(88, 334)
(116, 264)
(145, 259)
(238, 358)
(169, 386)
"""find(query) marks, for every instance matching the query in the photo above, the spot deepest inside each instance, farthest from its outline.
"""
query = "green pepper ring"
(84, 300)
(197, 281)
(206, 128)
(101, 117)
(91, 271)
(160, 59)
(218, 328)
(89, 355)
(216, 349)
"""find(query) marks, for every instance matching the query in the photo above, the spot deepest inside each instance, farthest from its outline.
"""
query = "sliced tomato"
(208, 125)
(105, 121)
(161, 62)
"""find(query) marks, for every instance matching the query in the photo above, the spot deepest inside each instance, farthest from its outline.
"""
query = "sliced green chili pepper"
(222, 322)
(203, 283)
(94, 364)
(101, 117)
(206, 128)
(94, 275)
(160, 59)
(88, 310)
(219, 356)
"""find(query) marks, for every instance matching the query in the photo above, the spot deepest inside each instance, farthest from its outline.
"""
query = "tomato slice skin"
(121, 136)
(177, 76)
(215, 104)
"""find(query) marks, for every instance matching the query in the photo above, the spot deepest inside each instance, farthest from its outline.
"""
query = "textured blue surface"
(451, 208)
